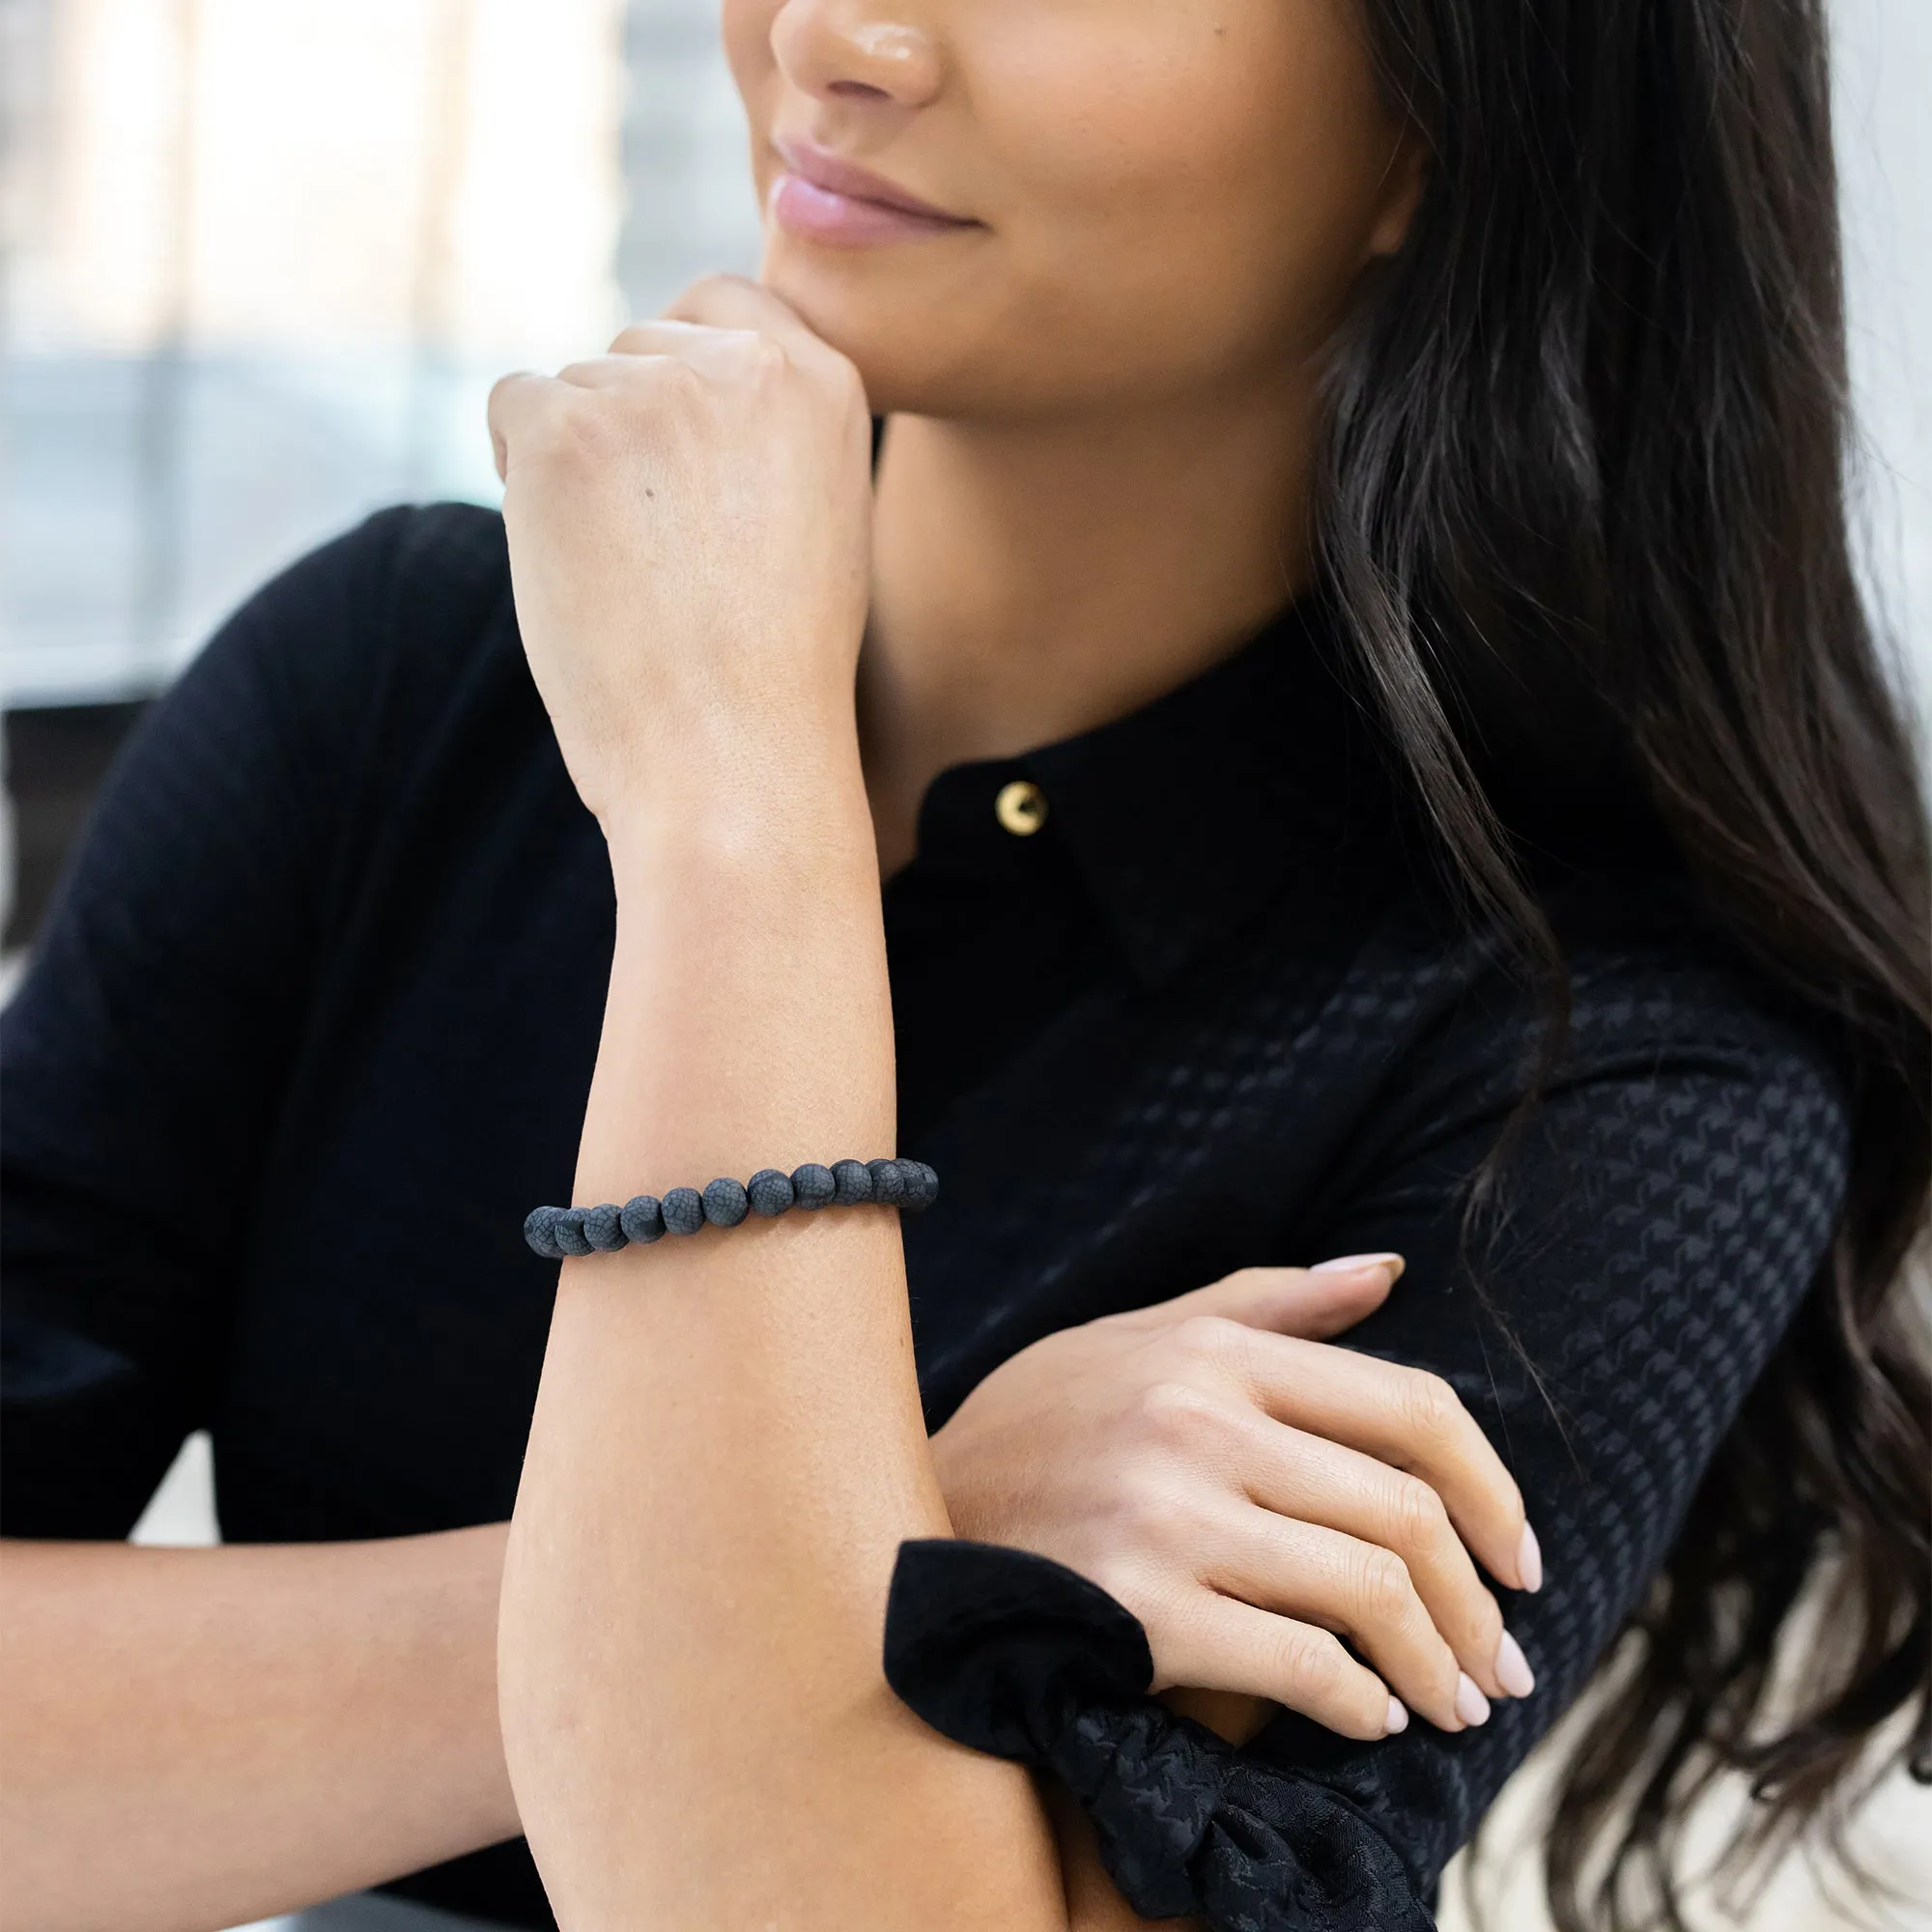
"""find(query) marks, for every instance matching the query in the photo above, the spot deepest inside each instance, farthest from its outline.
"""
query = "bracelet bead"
(890, 1182)
(683, 1211)
(642, 1218)
(603, 1228)
(769, 1191)
(852, 1184)
(726, 1202)
(540, 1231)
(812, 1185)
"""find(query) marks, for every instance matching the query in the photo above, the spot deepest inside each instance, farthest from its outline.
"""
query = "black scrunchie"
(1014, 1655)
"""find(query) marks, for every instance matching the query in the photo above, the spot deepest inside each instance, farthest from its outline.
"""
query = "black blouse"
(313, 1022)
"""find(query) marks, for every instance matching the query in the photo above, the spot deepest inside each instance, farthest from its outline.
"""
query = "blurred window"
(263, 258)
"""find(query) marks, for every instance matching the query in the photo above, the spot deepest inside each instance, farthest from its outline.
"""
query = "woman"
(1347, 667)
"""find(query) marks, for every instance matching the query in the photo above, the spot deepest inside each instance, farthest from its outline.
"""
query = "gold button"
(1021, 807)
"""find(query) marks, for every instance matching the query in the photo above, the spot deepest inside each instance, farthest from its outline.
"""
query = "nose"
(856, 50)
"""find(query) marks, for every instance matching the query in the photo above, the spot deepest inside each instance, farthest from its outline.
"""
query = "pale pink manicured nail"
(1530, 1560)
(1513, 1671)
(1398, 1717)
(1349, 1264)
(1471, 1706)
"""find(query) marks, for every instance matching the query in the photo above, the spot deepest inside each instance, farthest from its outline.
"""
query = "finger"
(1310, 1302)
(1355, 1588)
(517, 404)
(608, 371)
(735, 301)
(1406, 1417)
(1316, 1481)
(721, 357)
(732, 301)
(1220, 1644)
(722, 349)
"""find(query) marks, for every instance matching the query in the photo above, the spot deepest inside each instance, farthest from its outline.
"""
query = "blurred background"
(260, 261)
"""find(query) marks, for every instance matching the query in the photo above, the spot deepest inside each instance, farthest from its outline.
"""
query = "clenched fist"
(690, 522)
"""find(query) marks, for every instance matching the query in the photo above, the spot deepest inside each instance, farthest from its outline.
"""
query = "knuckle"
(563, 429)
(1242, 1284)
(671, 377)
(1486, 1630)
(1311, 1664)
(1382, 1591)
(1207, 1338)
(505, 393)
(1177, 1414)
(1417, 1519)
(1156, 1594)
(1433, 1409)
(762, 356)
(1146, 1512)
(845, 386)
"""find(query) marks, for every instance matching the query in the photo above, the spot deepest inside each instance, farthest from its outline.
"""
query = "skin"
(1248, 1492)
(1095, 485)
(1096, 479)
(751, 661)
(196, 1737)
(209, 1737)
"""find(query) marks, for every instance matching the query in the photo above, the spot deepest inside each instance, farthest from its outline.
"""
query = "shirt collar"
(1188, 818)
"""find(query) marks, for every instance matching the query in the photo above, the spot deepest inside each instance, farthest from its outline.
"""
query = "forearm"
(727, 1447)
(201, 1738)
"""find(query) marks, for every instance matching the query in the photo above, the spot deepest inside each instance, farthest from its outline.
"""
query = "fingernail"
(1398, 1717)
(1471, 1706)
(1352, 1264)
(1530, 1560)
(1513, 1671)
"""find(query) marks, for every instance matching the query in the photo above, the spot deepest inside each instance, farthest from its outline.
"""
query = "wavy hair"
(1583, 508)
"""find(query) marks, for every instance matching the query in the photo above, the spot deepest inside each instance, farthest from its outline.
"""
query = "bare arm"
(268, 1726)
(727, 1445)
(202, 1736)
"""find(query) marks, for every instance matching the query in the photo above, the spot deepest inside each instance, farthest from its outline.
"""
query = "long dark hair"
(1584, 491)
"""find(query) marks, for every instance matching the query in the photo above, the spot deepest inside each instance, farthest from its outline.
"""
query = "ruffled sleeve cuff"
(1014, 1655)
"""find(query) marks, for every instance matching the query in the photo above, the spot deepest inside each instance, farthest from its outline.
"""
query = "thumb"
(1309, 1303)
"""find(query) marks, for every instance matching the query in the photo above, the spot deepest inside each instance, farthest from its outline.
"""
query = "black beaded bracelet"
(555, 1232)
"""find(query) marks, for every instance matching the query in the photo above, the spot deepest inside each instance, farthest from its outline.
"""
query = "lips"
(824, 198)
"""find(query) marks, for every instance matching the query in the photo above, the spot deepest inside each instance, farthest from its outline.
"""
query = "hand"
(690, 522)
(1254, 1495)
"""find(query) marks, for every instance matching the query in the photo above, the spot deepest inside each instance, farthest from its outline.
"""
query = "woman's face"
(1147, 198)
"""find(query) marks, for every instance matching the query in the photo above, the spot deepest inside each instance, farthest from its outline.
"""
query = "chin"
(924, 337)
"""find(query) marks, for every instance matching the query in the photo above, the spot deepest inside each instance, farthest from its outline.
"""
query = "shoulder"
(416, 551)
(449, 563)
(411, 589)
(297, 739)
(1653, 968)
(1658, 1012)
(331, 679)
(387, 613)
(1703, 1089)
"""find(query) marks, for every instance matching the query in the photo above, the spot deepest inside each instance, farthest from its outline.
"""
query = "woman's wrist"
(747, 801)
(747, 848)
(748, 1017)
